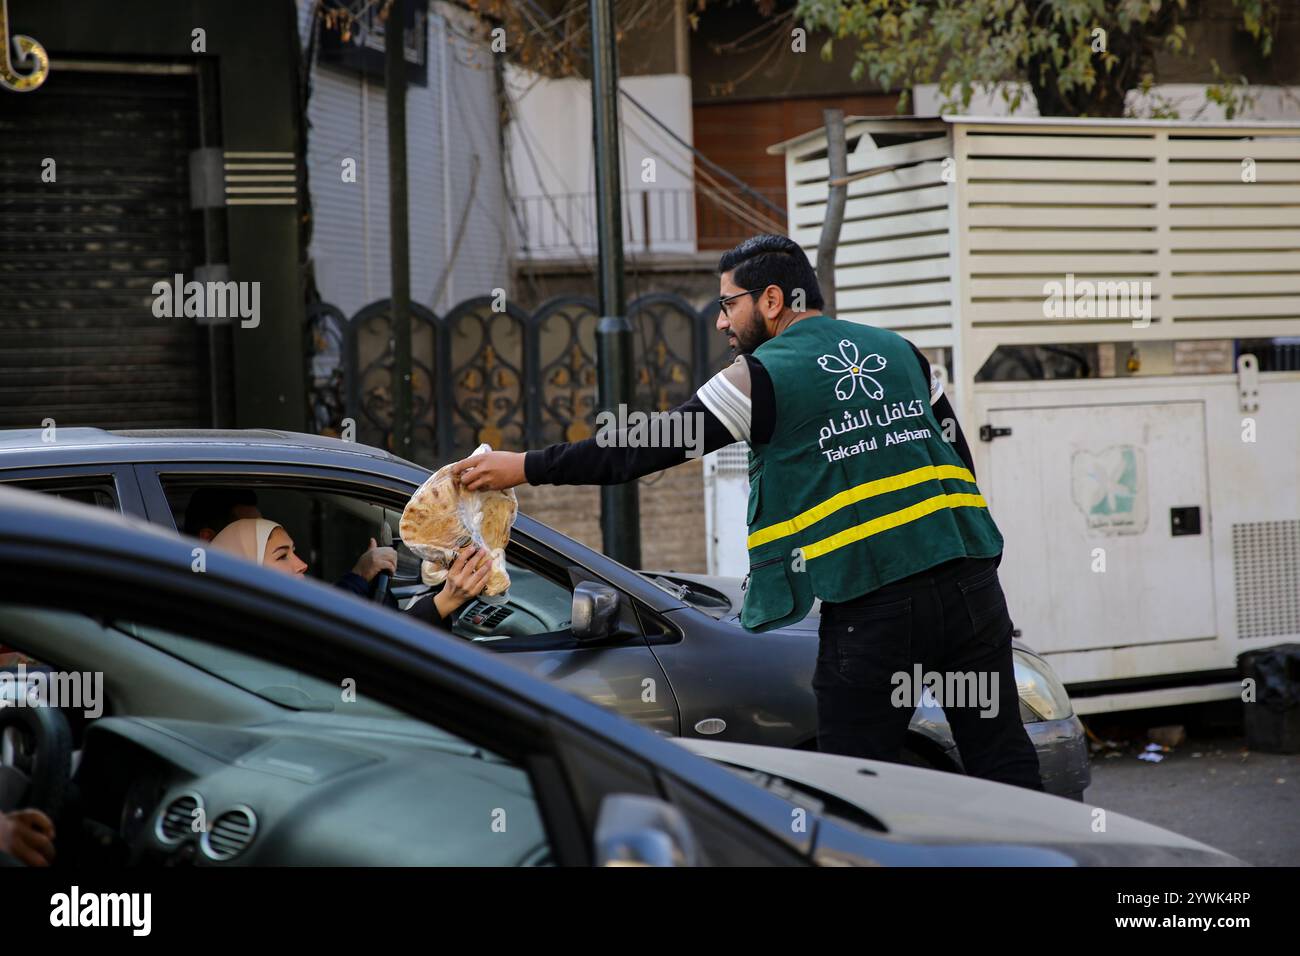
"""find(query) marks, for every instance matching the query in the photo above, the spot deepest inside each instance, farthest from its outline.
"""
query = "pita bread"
(442, 518)
(498, 581)
(434, 572)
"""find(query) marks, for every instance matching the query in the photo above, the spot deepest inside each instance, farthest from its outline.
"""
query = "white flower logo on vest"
(853, 371)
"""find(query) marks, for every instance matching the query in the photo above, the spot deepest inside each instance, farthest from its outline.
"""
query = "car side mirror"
(632, 830)
(595, 610)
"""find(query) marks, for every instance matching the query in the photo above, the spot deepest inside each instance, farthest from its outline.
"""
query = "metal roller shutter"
(79, 342)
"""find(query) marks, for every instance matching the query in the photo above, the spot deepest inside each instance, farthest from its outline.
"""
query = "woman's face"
(279, 554)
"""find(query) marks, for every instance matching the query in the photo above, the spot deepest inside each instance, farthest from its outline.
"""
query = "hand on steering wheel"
(374, 560)
(51, 772)
(27, 836)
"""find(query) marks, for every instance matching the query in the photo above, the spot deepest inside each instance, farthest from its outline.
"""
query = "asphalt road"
(1213, 788)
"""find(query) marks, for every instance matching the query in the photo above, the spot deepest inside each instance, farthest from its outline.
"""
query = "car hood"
(730, 586)
(931, 806)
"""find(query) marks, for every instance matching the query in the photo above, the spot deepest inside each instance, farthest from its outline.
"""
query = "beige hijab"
(246, 537)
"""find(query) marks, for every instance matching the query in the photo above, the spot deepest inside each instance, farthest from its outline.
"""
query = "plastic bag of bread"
(442, 518)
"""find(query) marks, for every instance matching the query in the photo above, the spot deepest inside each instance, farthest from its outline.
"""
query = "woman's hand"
(466, 579)
(27, 835)
(374, 560)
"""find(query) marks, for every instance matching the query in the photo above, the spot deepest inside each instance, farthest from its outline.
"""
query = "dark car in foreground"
(248, 717)
(671, 653)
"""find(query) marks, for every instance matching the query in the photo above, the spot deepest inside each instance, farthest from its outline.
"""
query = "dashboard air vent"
(230, 834)
(176, 821)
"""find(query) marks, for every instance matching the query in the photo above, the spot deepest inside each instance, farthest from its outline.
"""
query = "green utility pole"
(399, 233)
(620, 514)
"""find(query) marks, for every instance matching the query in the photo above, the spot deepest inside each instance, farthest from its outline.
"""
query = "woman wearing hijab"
(265, 542)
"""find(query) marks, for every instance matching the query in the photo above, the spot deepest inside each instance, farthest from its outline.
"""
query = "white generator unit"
(726, 499)
(1104, 293)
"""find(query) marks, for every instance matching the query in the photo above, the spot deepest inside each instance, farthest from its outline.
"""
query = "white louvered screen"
(733, 459)
(965, 263)
(892, 268)
(1126, 201)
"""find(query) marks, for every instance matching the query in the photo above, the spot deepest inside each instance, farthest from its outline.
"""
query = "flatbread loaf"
(442, 518)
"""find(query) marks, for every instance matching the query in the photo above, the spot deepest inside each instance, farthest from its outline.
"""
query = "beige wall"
(672, 516)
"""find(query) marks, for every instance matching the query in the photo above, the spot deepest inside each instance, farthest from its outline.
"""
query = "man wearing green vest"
(856, 498)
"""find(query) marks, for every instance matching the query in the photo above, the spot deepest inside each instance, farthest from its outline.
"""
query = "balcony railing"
(679, 220)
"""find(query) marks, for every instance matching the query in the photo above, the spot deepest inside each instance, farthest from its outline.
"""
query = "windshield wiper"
(679, 591)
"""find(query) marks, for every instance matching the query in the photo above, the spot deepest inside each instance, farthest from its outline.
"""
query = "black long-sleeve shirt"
(426, 610)
(423, 608)
(587, 462)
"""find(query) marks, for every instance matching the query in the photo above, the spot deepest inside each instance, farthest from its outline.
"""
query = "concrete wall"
(550, 152)
(449, 122)
(672, 516)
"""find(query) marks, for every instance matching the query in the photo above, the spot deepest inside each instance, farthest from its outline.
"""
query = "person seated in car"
(26, 836)
(265, 542)
(212, 509)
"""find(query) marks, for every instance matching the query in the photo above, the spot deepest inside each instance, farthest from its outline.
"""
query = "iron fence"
(508, 377)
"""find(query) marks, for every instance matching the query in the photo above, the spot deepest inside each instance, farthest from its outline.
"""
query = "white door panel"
(1076, 490)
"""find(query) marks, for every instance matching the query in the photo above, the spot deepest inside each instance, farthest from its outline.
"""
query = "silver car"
(665, 650)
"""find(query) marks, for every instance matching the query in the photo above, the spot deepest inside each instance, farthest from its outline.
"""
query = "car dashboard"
(301, 792)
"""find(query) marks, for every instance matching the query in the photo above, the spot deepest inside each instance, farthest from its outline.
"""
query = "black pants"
(952, 621)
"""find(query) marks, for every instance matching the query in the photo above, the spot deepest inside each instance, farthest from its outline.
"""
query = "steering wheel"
(380, 593)
(51, 760)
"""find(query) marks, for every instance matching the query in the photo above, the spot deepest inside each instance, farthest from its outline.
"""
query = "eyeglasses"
(724, 301)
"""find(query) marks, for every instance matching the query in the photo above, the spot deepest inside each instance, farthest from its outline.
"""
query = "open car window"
(330, 529)
(539, 602)
(331, 526)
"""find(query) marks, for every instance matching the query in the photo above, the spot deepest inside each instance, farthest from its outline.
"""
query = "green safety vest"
(857, 487)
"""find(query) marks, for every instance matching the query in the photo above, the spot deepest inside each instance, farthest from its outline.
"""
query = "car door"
(193, 651)
(331, 513)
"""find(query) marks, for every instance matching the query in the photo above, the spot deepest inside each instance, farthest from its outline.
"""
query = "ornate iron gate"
(510, 378)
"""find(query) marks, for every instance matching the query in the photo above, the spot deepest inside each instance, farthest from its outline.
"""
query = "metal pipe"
(399, 235)
(837, 195)
(620, 519)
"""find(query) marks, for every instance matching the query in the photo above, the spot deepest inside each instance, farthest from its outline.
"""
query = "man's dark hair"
(212, 507)
(761, 261)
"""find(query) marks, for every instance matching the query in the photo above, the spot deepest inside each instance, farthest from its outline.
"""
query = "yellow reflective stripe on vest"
(845, 498)
(892, 520)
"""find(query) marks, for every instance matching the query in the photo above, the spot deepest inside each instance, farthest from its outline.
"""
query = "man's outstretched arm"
(612, 462)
